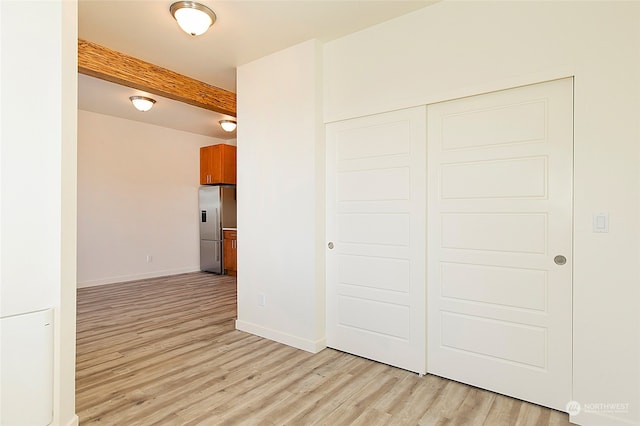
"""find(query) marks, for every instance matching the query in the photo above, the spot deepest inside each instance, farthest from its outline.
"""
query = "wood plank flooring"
(165, 351)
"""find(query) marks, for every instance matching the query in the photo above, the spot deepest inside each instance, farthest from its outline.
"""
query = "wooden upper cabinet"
(218, 164)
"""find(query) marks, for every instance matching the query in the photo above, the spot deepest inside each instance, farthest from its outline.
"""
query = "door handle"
(330, 245)
(560, 260)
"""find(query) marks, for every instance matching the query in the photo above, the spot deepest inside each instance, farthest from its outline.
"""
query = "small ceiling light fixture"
(142, 103)
(228, 125)
(193, 18)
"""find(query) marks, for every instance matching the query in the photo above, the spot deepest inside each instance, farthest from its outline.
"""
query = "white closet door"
(500, 212)
(376, 193)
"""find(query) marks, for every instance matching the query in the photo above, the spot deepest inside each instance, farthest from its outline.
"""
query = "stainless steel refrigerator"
(217, 211)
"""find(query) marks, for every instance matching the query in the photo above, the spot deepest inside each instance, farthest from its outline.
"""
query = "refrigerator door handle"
(218, 235)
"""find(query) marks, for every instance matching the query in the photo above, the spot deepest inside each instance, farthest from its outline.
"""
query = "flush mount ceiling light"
(142, 103)
(193, 18)
(228, 125)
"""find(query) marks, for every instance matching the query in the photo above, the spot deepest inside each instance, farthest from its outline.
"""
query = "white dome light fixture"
(193, 18)
(142, 103)
(228, 125)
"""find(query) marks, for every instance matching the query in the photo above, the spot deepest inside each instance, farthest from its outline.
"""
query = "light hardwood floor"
(165, 351)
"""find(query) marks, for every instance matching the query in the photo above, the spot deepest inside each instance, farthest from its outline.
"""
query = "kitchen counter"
(229, 229)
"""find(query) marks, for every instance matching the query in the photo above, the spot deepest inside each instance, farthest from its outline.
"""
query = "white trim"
(598, 419)
(284, 338)
(135, 277)
(74, 421)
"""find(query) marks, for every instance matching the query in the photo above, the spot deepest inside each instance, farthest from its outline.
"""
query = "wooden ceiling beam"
(101, 62)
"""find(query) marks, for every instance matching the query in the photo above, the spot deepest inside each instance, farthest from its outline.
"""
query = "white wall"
(37, 175)
(454, 49)
(137, 196)
(280, 197)
(30, 195)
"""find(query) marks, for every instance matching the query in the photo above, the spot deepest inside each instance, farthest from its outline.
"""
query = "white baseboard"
(134, 277)
(313, 346)
(75, 421)
(600, 419)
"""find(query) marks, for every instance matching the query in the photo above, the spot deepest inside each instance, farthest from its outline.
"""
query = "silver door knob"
(560, 259)
(330, 245)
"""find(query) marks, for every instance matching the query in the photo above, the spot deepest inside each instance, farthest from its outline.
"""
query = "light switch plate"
(601, 222)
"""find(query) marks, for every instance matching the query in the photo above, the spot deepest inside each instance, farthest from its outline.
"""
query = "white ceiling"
(244, 31)
(108, 98)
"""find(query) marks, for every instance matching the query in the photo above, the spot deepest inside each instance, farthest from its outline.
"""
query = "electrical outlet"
(262, 299)
(149, 258)
(601, 222)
